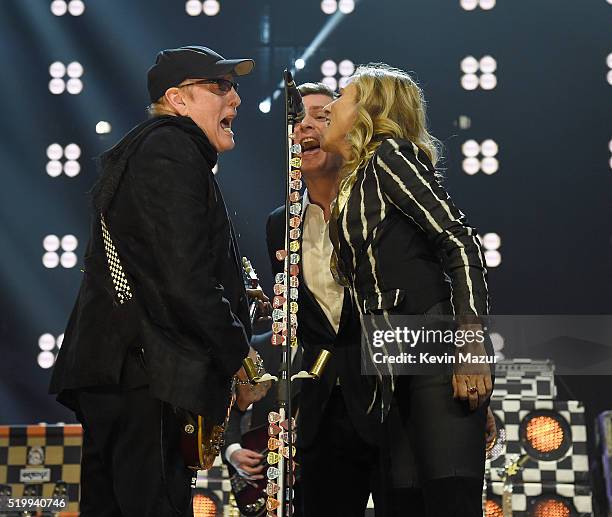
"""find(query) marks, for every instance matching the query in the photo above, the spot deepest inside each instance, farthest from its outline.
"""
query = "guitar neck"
(507, 501)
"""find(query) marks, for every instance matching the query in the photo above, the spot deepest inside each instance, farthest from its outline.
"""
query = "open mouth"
(226, 125)
(309, 146)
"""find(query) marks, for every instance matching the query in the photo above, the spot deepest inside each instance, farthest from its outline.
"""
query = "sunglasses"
(223, 86)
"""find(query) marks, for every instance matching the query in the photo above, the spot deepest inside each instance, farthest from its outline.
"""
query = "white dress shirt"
(316, 253)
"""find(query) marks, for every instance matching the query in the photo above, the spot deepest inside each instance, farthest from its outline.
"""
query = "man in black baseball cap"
(162, 319)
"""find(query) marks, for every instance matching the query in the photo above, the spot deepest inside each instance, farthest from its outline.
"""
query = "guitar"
(250, 495)
(201, 439)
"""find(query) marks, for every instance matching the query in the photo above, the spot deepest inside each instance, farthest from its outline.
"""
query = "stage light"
(60, 340)
(346, 6)
(69, 243)
(193, 7)
(46, 359)
(329, 6)
(469, 81)
(550, 507)
(545, 435)
(343, 81)
(103, 127)
(72, 152)
(215, 169)
(497, 340)
(46, 342)
(265, 105)
(68, 259)
(469, 5)
(211, 7)
(329, 68)
(469, 65)
(74, 86)
(51, 243)
(54, 151)
(492, 258)
(487, 4)
(493, 509)
(57, 69)
(205, 503)
(50, 259)
(72, 168)
(330, 82)
(57, 86)
(59, 7)
(470, 148)
(489, 148)
(489, 165)
(346, 68)
(609, 62)
(491, 241)
(76, 7)
(54, 168)
(488, 65)
(300, 64)
(74, 69)
(488, 81)
(471, 166)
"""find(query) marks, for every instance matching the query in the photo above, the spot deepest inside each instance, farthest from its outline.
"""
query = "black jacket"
(415, 239)
(315, 332)
(169, 224)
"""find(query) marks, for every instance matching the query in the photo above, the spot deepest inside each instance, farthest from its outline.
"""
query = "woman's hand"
(472, 381)
(490, 430)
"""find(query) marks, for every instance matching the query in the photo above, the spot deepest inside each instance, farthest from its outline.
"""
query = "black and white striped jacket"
(403, 244)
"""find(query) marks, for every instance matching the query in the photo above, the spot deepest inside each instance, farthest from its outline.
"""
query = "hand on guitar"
(472, 381)
(248, 463)
(246, 394)
(264, 308)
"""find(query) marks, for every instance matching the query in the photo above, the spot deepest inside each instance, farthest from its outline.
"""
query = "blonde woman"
(404, 248)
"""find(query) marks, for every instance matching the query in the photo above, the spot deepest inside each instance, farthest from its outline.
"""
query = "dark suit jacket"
(315, 332)
(170, 227)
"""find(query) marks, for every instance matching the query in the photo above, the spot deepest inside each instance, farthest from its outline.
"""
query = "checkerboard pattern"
(525, 494)
(524, 386)
(217, 481)
(122, 287)
(61, 446)
(572, 468)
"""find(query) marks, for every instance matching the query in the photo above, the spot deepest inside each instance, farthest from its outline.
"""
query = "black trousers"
(339, 470)
(131, 465)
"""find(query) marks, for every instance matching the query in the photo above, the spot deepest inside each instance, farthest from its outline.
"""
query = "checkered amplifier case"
(524, 379)
(42, 460)
(215, 483)
(553, 435)
(534, 499)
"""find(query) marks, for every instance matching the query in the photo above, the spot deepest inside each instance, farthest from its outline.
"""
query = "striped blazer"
(403, 245)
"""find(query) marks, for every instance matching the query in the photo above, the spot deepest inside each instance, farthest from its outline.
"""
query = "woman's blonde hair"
(390, 104)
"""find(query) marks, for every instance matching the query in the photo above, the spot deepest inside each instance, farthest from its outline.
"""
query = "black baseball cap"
(174, 65)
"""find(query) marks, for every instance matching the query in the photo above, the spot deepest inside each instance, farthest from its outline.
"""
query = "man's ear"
(174, 98)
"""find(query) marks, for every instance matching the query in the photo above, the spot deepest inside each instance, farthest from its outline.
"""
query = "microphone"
(295, 106)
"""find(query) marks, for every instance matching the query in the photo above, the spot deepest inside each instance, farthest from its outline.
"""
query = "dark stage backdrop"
(518, 91)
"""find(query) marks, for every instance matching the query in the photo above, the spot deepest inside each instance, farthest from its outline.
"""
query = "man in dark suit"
(161, 320)
(337, 438)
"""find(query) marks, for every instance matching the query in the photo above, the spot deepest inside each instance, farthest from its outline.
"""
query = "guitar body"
(201, 441)
(251, 495)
